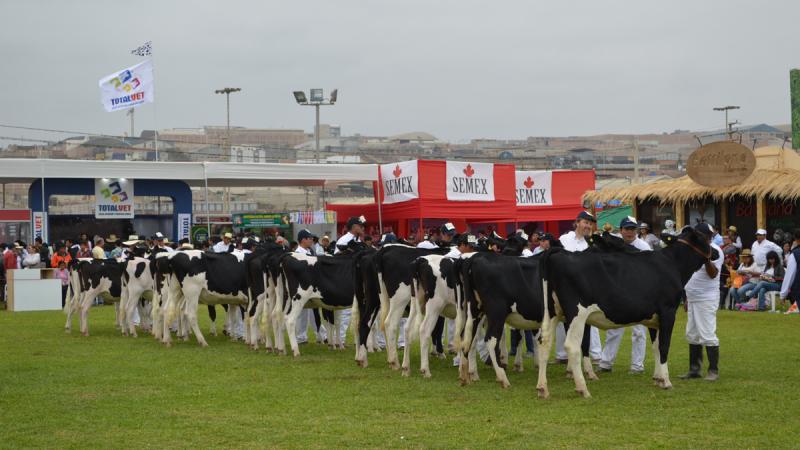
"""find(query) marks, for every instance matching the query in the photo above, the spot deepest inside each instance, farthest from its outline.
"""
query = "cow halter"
(697, 250)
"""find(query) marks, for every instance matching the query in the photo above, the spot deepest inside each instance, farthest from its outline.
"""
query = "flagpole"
(155, 107)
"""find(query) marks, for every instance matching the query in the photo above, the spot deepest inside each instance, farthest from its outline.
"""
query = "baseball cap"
(304, 234)
(646, 226)
(628, 222)
(586, 215)
(360, 220)
(448, 228)
(467, 239)
(158, 236)
(761, 231)
(705, 229)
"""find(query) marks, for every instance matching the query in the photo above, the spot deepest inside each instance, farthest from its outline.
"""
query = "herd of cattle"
(608, 286)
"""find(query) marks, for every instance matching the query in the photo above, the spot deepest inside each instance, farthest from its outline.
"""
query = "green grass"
(59, 390)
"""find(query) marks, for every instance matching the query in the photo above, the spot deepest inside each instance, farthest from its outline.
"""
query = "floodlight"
(300, 97)
(317, 95)
(334, 94)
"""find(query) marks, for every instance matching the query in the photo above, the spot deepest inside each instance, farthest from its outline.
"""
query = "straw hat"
(112, 238)
(746, 252)
(132, 240)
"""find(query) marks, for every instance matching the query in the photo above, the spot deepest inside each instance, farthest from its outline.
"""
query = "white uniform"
(761, 249)
(702, 300)
(638, 335)
(166, 248)
(344, 315)
(301, 330)
(427, 244)
(526, 253)
(572, 243)
(343, 241)
(221, 247)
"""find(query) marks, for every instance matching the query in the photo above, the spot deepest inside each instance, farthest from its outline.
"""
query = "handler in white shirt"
(762, 246)
(627, 228)
(305, 239)
(702, 301)
(575, 241)
(224, 245)
(355, 228)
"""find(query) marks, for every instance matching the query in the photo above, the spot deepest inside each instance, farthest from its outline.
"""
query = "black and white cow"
(314, 282)
(612, 289)
(395, 268)
(261, 282)
(208, 278)
(365, 313)
(139, 285)
(91, 278)
(501, 290)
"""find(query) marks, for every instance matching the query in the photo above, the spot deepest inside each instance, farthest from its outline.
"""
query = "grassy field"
(59, 390)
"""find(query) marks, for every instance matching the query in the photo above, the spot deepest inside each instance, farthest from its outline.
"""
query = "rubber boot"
(713, 363)
(695, 362)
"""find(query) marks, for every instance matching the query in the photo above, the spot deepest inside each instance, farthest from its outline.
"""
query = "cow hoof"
(584, 393)
(394, 365)
(504, 384)
(204, 344)
(592, 376)
(296, 354)
(543, 392)
(473, 376)
(518, 368)
(168, 344)
(425, 373)
(569, 375)
(85, 334)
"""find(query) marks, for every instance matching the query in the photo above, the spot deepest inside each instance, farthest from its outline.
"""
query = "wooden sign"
(721, 164)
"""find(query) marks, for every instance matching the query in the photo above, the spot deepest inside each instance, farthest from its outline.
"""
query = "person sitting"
(733, 233)
(746, 276)
(769, 280)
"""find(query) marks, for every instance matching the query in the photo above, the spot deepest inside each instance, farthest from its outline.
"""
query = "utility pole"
(227, 148)
(227, 91)
(316, 99)
(728, 125)
(130, 113)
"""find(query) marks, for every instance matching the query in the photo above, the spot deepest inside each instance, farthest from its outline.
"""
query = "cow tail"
(262, 320)
(418, 295)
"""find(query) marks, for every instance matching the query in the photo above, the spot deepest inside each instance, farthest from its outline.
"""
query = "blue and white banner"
(128, 88)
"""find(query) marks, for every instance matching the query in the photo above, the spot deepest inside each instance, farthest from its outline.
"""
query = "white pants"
(401, 334)
(451, 332)
(701, 325)
(344, 322)
(301, 328)
(638, 346)
(595, 348)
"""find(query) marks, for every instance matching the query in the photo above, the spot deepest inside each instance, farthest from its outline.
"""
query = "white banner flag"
(113, 198)
(400, 181)
(534, 188)
(128, 88)
(470, 181)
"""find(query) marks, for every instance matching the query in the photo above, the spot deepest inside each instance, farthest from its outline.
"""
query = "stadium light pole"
(726, 109)
(316, 99)
(227, 91)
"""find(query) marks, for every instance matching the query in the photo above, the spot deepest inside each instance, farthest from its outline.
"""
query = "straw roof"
(777, 175)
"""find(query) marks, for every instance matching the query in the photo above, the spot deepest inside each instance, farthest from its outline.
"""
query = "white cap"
(761, 231)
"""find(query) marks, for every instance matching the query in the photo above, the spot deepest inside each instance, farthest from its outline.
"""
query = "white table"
(33, 290)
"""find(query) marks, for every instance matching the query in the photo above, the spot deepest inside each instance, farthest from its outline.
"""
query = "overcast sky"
(457, 69)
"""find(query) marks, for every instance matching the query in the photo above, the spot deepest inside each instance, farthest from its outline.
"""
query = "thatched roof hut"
(769, 198)
(777, 175)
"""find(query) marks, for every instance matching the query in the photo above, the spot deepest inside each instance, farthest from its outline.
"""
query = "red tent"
(420, 194)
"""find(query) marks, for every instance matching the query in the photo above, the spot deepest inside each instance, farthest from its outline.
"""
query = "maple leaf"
(397, 171)
(469, 171)
(528, 183)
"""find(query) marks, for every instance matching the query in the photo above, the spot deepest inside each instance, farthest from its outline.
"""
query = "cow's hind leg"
(543, 353)
(192, 297)
(493, 338)
(572, 344)
(587, 360)
(666, 323)
(396, 309)
(433, 308)
(291, 323)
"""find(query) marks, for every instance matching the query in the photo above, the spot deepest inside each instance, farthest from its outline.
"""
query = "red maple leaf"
(397, 171)
(528, 183)
(469, 171)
